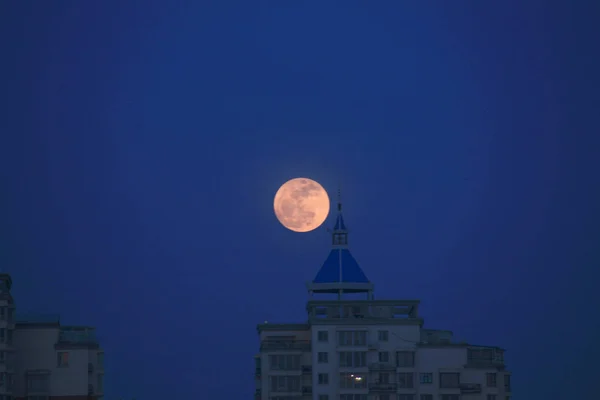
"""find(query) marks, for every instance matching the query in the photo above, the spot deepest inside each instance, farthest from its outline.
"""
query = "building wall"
(7, 344)
(399, 337)
(36, 351)
(301, 336)
(433, 359)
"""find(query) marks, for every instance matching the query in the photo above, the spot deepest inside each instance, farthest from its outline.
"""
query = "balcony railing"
(469, 388)
(306, 389)
(306, 369)
(90, 368)
(485, 363)
(383, 387)
(283, 345)
(382, 366)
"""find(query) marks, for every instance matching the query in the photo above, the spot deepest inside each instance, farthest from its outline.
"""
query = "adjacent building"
(44, 360)
(353, 347)
(7, 329)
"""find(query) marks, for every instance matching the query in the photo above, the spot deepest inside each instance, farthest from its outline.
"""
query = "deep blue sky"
(142, 143)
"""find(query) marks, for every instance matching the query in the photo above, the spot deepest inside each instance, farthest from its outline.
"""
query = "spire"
(339, 237)
(340, 273)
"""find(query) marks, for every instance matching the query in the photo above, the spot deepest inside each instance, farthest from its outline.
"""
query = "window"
(340, 239)
(353, 359)
(323, 379)
(383, 336)
(281, 383)
(100, 383)
(63, 359)
(2, 334)
(450, 397)
(323, 397)
(507, 383)
(406, 380)
(352, 338)
(323, 357)
(449, 379)
(323, 336)
(37, 383)
(2, 313)
(426, 378)
(405, 359)
(384, 378)
(491, 397)
(426, 397)
(353, 381)
(384, 356)
(284, 362)
(406, 397)
(490, 379)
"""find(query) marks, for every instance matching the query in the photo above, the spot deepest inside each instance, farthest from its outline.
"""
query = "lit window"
(426, 378)
(63, 359)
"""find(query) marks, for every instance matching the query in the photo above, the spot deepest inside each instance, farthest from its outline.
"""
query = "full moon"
(301, 205)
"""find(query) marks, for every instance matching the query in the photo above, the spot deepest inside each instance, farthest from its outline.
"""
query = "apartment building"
(48, 361)
(7, 328)
(353, 347)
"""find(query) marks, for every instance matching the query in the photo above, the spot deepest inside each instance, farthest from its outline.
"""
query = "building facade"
(45, 360)
(365, 349)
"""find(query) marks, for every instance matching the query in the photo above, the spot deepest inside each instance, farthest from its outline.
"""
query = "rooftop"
(340, 273)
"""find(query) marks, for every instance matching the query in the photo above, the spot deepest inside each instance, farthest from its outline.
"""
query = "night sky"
(142, 142)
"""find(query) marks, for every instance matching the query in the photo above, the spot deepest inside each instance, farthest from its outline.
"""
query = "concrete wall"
(36, 350)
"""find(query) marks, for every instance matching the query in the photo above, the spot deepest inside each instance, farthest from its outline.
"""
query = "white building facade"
(367, 349)
(48, 361)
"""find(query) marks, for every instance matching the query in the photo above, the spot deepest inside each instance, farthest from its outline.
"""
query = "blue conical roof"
(340, 266)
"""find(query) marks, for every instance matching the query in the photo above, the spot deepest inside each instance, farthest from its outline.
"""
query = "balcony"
(90, 389)
(257, 394)
(485, 357)
(383, 387)
(470, 388)
(90, 368)
(306, 390)
(485, 363)
(285, 345)
(257, 373)
(306, 369)
(382, 366)
(406, 310)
